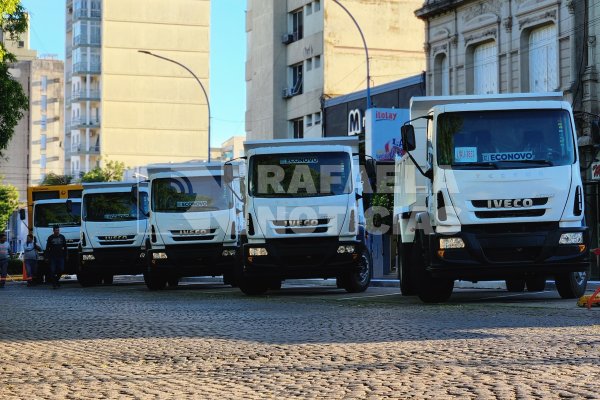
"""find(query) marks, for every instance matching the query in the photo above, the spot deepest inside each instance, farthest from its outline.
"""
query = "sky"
(227, 51)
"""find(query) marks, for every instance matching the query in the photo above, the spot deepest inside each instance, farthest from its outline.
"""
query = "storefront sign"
(382, 136)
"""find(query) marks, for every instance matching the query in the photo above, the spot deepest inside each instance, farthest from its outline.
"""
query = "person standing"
(30, 250)
(5, 254)
(56, 254)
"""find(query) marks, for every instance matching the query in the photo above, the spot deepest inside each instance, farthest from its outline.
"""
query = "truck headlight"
(88, 257)
(258, 251)
(571, 238)
(345, 249)
(452, 243)
(159, 256)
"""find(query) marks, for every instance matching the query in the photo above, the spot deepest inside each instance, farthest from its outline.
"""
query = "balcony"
(85, 13)
(80, 149)
(83, 40)
(82, 123)
(82, 68)
(83, 95)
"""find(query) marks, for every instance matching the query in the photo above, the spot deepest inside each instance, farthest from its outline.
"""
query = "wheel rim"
(365, 270)
(580, 277)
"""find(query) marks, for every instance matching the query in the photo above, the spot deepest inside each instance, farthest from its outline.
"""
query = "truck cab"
(499, 195)
(113, 229)
(194, 225)
(304, 216)
(66, 214)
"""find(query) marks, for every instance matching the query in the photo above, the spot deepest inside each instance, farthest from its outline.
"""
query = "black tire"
(253, 287)
(340, 281)
(407, 282)
(86, 279)
(108, 279)
(571, 285)
(515, 285)
(275, 284)
(155, 281)
(536, 284)
(428, 288)
(358, 281)
(229, 279)
(173, 282)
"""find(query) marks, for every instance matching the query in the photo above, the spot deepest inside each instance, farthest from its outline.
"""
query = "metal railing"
(84, 68)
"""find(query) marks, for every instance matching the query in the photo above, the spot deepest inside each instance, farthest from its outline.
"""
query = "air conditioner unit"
(287, 38)
(287, 93)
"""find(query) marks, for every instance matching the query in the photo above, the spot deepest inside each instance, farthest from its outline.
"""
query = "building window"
(309, 64)
(316, 6)
(44, 83)
(44, 103)
(543, 59)
(21, 44)
(317, 118)
(309, 120)
(297, 78)
(308, 9)
(44, 122)
(485, 69)
(43, 141)
(297, 128)
(317, 62)
(298, 24)
(441, 75)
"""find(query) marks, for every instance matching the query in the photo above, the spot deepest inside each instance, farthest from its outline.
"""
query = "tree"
(9, 201)
(13, 101)
(55, 179)
(113, 171)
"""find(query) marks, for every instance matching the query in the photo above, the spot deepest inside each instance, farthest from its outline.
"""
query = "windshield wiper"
(489, 165)
(542, 162)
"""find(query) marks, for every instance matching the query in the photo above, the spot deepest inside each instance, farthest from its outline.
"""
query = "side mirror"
(358, 196)
(228, 173)
(408, 137)
(371, 168)
(69, 204)
(22, 215)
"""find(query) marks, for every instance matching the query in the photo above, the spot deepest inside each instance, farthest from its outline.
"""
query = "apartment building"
(301, 52)
(127, 106)
(36, 147)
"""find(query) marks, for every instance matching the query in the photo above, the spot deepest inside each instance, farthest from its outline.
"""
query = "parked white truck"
(490, 189)
(194, 225)
(113, 229)
(304, 215)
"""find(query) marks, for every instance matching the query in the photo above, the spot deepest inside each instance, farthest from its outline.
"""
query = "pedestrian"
(5, 254)
(30, 250)
(56, 254)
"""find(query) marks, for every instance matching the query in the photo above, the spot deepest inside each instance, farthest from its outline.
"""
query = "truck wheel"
(155, 281)
(515, 285)
(428, 288)
(108, 279)
(229, 279)
(357, 282)
(536, 284)
(173, 282)
(253, 287)
(275, 284)
(407, 282)
(86, 279)
(571, 285)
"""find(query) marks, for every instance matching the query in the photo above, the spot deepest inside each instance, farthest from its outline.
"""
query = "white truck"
(64, 213)
(113, 229)
(194, 225)
(490, 189)
(304, 215)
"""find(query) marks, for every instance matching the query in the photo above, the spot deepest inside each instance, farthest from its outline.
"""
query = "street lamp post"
(197, 80)
(366, 51)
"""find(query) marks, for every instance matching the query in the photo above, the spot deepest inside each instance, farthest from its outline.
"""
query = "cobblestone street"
(209, 341)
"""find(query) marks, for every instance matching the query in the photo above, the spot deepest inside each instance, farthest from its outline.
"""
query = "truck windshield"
(113, 207)
(190, 194)
(300, 175)
(505, 139)
(48, 215)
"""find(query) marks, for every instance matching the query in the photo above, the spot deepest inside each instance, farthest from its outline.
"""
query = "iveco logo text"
(516, 203)
(301, 222)
(122, 237)
(193, 232)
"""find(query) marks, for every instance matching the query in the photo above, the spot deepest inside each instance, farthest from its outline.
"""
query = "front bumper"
(507, 251)
(301, 258)
(193, 260)
(118, 260)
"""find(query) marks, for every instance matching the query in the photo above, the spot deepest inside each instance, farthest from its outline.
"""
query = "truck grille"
(193, 234)
(116, 240)
(296, 226)
(512, 254)
(513, 213)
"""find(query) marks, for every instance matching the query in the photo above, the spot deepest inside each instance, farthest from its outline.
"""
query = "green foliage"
(112, 172)
(55, 179)
(9, 201)
(13, 101)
